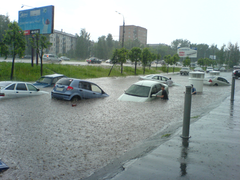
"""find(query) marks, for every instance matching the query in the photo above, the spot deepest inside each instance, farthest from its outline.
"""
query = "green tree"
(187, 61)
(146, 58)
(135, 56)
(15, 40)
(122, 57)
(4, 21)
(40, 42)
(221, 55)
(83, 45)
(180, 43)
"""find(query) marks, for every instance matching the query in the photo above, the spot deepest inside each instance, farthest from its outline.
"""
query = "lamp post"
(123, 28)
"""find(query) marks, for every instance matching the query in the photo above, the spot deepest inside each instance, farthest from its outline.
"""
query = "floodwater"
(43, 138)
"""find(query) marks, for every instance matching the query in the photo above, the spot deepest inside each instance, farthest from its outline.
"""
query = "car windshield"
(46, 80)
(184, 68)
(137, 90)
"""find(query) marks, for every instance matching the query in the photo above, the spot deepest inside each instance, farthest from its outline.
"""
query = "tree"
(135, 56)
(15, 40)
(40, 42)
(146, 58)
(180, 43)
(83, 45)
(4, 21)
(187, 61)
(122, 57)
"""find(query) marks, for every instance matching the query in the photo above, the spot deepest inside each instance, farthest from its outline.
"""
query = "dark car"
(94, 60)
(48, 80)
(236, 73)
(76, 89)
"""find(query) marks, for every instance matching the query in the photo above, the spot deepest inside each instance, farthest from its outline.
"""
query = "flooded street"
(43, 138)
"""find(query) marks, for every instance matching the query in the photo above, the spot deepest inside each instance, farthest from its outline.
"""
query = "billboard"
(38, 20)
(187, 52)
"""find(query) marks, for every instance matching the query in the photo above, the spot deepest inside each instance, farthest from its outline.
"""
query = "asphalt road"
(42, 138)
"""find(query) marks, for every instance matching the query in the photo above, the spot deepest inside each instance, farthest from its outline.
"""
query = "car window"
(21, 86)
(64, 81)
(11, 87)
(158, 87)
(31, 87)
(164, 78)
(96, 88)
(154, 90)
(55, 80)
(137, 90)
(45, 80)
(85, 85)
(155, 77)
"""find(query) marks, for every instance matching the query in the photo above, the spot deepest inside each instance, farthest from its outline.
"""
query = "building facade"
(61, 42)
(132, 33)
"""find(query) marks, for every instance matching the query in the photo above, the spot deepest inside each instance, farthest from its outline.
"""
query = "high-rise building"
(133, 32)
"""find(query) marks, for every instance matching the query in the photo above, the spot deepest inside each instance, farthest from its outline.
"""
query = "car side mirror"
(37, 89)
(154, 95)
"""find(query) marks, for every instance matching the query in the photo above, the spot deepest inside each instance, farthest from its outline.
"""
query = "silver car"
(216, 81)
(51, 58)
(157, 77)
(143, 91)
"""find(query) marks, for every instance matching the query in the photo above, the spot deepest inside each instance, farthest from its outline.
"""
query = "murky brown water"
(43, 138)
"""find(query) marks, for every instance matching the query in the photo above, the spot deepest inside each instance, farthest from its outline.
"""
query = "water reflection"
(184, 154)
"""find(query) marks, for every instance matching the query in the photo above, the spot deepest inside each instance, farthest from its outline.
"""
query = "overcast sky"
(204, 21)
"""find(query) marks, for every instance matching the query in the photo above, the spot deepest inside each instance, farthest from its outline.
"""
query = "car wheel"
(215, 84)
(75, 99)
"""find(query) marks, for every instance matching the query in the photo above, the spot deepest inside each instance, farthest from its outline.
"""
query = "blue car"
(48, 80)
(71, 89)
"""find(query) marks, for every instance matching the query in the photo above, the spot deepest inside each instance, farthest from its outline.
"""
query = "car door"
(21, 90)
(85, 90)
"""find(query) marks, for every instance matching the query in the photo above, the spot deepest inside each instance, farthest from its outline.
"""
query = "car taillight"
(2, 94)
(210, 80)
(69, 88)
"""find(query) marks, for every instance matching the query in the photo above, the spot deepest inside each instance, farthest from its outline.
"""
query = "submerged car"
(185, 71)
(143, 91)
(11, 89)
(199, 69)
(48, 80)
(76, 89)
(209, 69)
(156, 77)
(216, 81)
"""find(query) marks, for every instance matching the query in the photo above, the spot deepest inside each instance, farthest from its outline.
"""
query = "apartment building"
(132, 33)
(61, 42)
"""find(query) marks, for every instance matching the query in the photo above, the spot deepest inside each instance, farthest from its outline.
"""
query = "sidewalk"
(212, 152)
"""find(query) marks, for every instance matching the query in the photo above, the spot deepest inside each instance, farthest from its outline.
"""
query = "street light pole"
(123, 28)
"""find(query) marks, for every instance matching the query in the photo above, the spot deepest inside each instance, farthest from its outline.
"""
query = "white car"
(51, 58)
(216, 81)
(10, 89)
(157, 77)
(209, 69)
(143, 91)
(64, 58)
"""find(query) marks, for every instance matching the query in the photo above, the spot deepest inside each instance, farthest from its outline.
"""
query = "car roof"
(53, 75)
(148, 83)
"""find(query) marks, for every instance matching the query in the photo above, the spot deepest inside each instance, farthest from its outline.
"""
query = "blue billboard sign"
(37, 20)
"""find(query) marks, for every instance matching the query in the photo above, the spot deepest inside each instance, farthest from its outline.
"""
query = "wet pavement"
(43, 138)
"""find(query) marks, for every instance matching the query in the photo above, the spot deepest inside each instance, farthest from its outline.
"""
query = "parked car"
(76, 89)
(93, 60)
(185, 71)
(11, 89)
(222, 69)
(64, 58)
(108, 61)
(236, 73)
(48, 80)
(27, 57)
(216, 81)
(199, 69)
(143, 91)
(51, 58)
(156, 77)
(209, 69)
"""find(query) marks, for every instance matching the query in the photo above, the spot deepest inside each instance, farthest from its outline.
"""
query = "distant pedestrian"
(169, 82)
(193, 90)
(164, 94)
